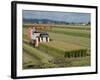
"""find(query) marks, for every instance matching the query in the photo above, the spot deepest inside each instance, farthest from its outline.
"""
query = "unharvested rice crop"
(64, 49)
(76, 27)
(81, 33)
(82, 41)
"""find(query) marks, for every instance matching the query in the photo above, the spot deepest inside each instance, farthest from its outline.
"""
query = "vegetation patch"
(62, 49)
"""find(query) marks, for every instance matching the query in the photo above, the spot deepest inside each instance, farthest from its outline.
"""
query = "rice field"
(68, 47)
(85, 42)
(72, 32)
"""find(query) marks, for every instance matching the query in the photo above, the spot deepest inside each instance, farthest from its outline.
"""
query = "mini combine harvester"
(36, 37)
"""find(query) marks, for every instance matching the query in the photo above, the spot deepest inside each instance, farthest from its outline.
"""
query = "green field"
(69, 46)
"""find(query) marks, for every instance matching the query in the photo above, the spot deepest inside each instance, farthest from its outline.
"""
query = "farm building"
(37, 37)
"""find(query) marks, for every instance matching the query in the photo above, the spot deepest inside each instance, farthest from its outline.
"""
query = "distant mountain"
(44, 21)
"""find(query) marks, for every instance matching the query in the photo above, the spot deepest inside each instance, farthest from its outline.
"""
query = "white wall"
(5, 43)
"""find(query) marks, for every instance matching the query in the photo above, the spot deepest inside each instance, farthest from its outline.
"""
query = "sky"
(58, 16)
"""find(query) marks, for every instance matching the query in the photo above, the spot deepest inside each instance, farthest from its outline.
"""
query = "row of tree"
(47, 21)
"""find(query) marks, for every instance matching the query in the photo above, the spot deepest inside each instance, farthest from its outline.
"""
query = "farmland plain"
(69, 46)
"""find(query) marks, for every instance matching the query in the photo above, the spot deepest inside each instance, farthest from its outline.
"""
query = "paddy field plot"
(68, 47)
